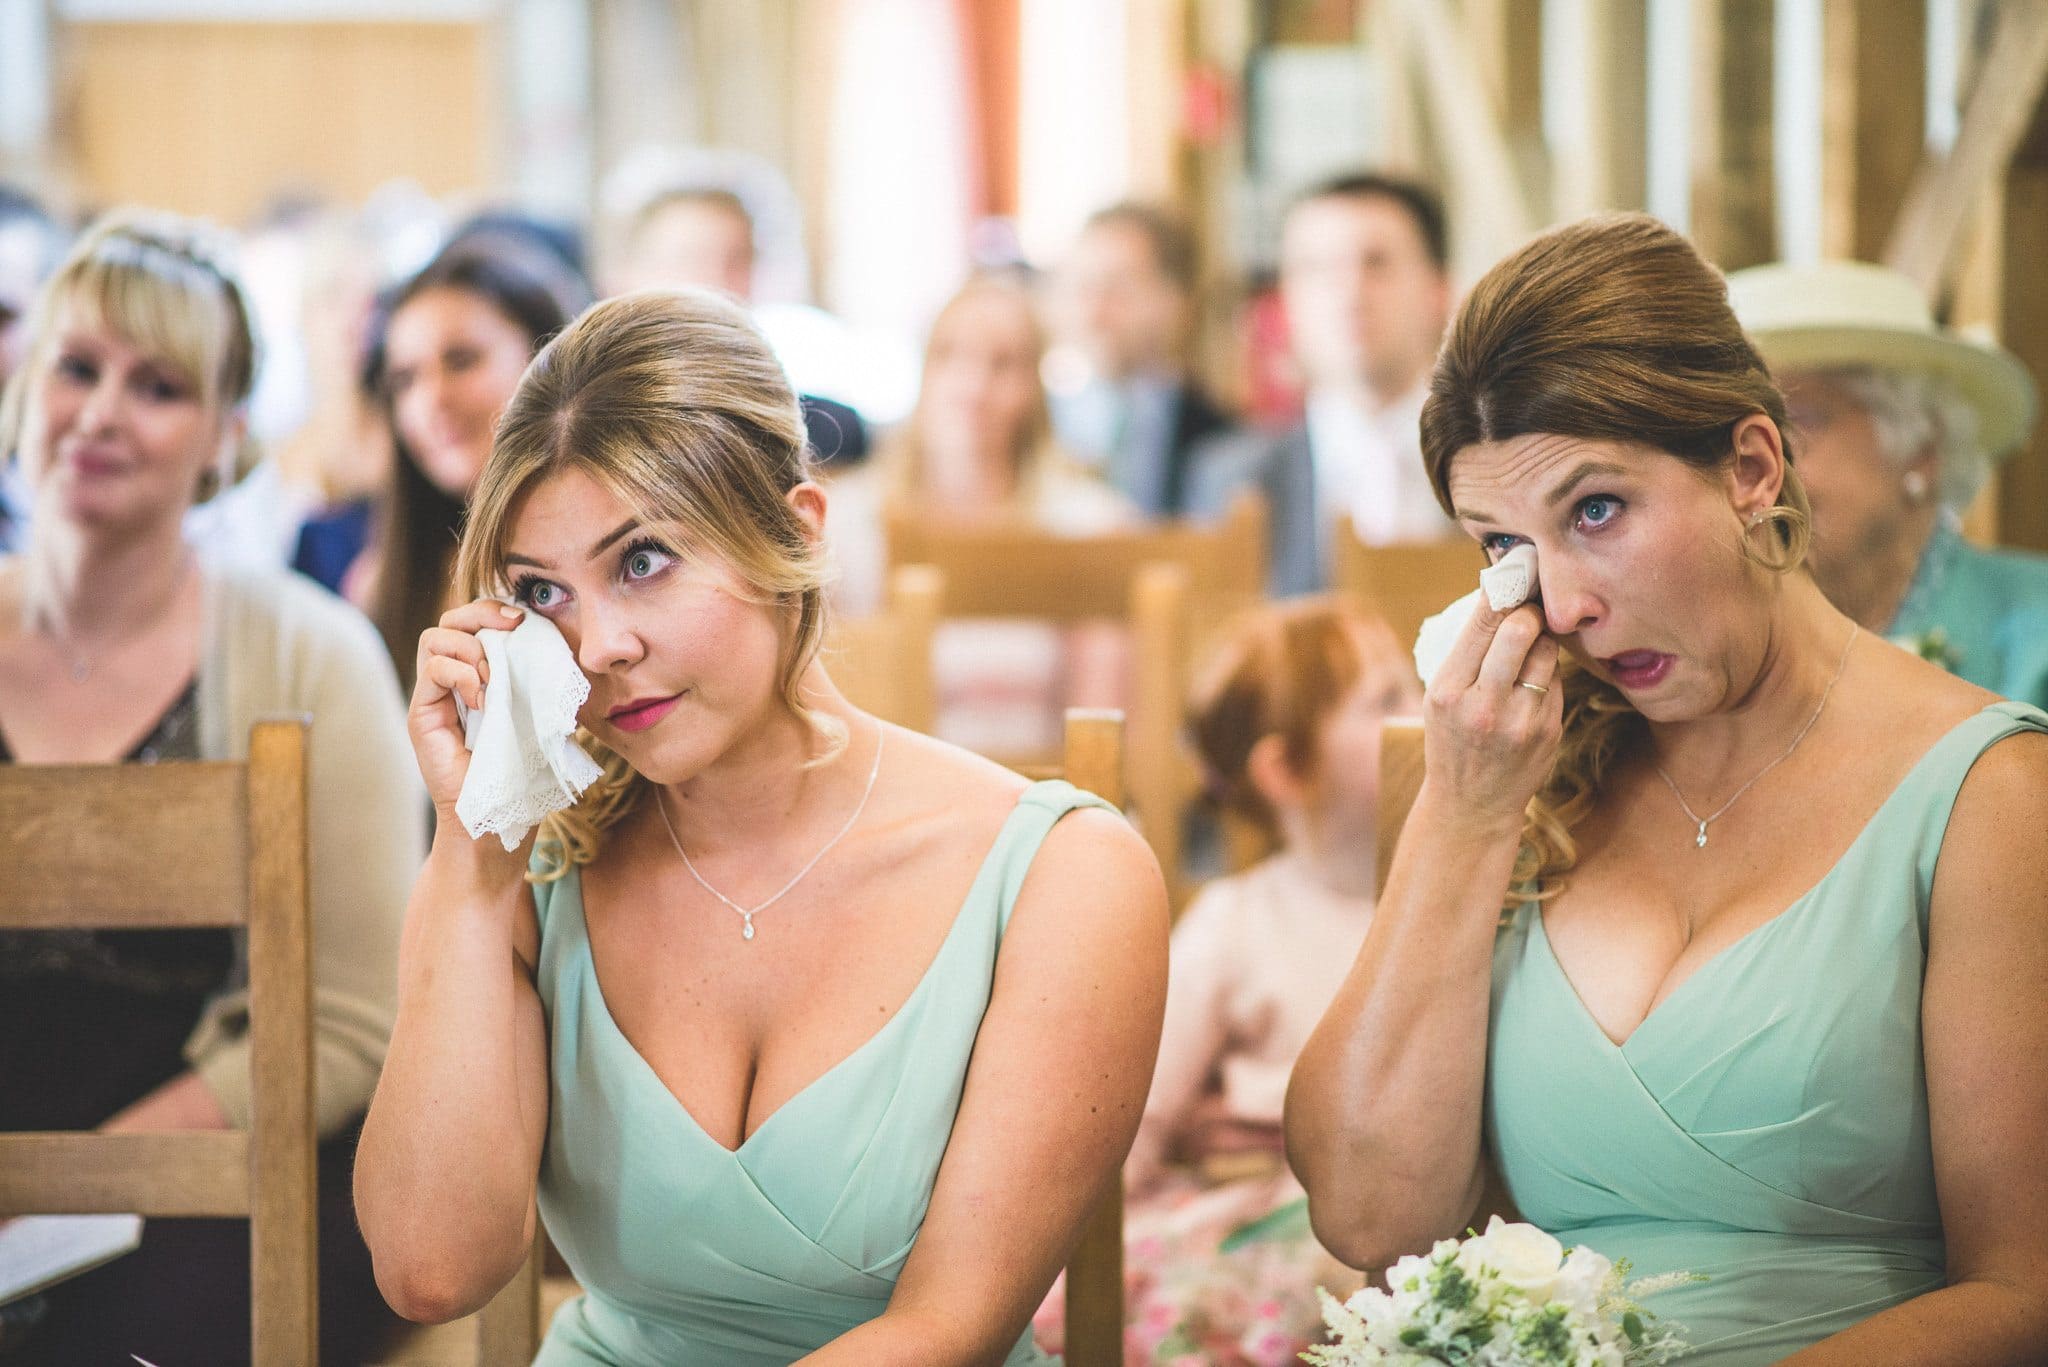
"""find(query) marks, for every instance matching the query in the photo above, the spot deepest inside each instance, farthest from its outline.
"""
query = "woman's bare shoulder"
(1910, 700)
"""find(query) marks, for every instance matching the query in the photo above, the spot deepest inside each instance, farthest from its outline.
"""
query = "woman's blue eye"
(536, 593)
(644, 561)
(1599, 510)
(1497, 544)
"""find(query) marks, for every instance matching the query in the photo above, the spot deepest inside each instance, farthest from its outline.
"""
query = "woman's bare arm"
(1984, 1038)
(1053, 1097)
(450, 1153)
(1385, 1106)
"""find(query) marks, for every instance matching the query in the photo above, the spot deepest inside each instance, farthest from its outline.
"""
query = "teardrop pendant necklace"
(1700, 840)
(747, 914)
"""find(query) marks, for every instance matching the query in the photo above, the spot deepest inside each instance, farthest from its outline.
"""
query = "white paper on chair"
(38, 1251)
(1506, 584)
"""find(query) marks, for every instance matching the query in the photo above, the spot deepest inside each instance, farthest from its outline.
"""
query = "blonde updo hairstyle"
(166, 285)
(672, 401)
(1610, 329)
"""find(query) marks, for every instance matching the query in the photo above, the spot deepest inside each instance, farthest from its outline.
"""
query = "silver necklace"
(1700, 840)
(747, 914)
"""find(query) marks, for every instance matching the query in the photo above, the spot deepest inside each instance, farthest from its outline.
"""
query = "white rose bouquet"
(1511, 1297)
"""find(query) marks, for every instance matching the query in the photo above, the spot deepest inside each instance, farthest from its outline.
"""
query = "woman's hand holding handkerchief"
(1494, 707)
(492, 718)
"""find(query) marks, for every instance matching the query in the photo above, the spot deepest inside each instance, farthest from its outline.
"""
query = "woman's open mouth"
(1639, 669)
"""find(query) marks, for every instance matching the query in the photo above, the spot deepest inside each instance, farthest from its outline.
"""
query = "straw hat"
(1849, 313)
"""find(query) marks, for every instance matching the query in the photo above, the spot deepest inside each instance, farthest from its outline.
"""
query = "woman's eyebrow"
(626, 528)
(1580, 476)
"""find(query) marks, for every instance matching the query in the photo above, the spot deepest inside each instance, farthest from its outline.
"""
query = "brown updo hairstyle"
(1613, 328)
(672, 402)
(1281, 671)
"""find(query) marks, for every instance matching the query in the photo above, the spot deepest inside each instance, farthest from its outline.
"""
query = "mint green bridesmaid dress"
(694, 1255)
(1767, 1124)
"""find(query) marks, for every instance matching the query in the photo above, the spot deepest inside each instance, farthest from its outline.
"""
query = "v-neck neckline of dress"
(866, 1046)
(1749, 937)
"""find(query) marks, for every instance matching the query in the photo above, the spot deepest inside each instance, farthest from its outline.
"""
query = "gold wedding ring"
(1533, 688)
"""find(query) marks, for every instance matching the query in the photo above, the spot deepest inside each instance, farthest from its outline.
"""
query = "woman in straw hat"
(1898, 421)
(1713, 940)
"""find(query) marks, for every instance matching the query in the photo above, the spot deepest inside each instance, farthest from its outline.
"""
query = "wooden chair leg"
(508, 1329)
(1095, 1287)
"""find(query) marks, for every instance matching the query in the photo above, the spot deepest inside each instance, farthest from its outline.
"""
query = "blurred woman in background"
(454, 341)
(978, 447)
(117, 644)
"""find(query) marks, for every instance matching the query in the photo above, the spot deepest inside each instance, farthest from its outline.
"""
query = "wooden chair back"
(1092, 757)
(1171, 583)
(883, 662)
(1014, 569)
(1400, 780)
(1404, 583)
(174, 846)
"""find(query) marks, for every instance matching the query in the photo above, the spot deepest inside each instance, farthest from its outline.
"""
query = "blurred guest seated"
(1286, 722)
(1364, 277)
(118, 644)
(453, 343)
(30, 243)
(1897, 421)
(704, 236)
(1124, 307)
(979, 447)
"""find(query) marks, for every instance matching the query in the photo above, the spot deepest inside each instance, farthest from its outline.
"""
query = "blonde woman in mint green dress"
(809, 1038)
(1715, 940)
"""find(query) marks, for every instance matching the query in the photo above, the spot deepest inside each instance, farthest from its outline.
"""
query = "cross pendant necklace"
(1700, 840)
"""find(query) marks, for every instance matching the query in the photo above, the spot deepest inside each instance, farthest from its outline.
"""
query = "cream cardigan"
(274, 645)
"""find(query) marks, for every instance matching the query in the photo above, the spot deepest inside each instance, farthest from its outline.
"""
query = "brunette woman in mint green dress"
(811, 1038)
(1752, 987)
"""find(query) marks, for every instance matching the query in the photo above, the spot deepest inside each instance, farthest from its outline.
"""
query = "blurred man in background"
(1124, 301)
(1365, 281)
(704, 236)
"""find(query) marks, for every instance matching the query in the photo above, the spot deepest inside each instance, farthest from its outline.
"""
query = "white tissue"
(523, 764)
(1506, 585)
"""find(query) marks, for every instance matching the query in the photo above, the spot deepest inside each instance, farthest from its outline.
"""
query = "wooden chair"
(883, 663)
(1093, 759)
(509, 1328)
(1400, 780)
(158, 847)
(1171, 583)
(1404, 583)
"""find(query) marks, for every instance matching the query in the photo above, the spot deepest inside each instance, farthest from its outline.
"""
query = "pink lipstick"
(642, 713)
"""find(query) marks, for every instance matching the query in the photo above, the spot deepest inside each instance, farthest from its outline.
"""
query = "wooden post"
(284, 1188)
(1507, 42)
(1734, 204)
(2023, 481)
(1605, 162)
(1873, 119)
(1094, 760)
(1999, 115)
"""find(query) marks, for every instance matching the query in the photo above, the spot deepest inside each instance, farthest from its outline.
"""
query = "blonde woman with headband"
(115, 645)
(808, 1037)
(1713, 940)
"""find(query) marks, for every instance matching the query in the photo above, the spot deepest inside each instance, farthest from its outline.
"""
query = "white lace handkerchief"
(523, 764)
(1506, 584)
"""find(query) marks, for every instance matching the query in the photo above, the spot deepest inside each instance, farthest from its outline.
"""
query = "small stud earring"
(1915, 485)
